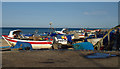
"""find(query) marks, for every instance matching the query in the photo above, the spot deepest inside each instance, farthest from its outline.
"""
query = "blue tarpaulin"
(53, 34)
(69, 38)
(83, 46)
(99, 55)
(22, 45)
(28, 35)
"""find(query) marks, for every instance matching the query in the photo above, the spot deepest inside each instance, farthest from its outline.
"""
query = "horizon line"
(53, 27)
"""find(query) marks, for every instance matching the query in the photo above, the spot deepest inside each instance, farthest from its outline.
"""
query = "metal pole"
(50, 26)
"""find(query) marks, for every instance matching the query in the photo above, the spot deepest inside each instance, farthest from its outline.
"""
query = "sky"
(60, 0)
(61, 14)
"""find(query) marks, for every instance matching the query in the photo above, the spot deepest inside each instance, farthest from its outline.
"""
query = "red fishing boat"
(15, 36)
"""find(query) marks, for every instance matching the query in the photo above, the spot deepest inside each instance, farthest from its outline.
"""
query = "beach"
(60, 34)
(3, 42)
(54, 58)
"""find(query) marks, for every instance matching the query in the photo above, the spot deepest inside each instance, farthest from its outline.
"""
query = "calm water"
(5, 31)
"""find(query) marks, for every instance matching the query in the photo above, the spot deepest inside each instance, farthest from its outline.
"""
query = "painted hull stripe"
(32, 42)
(6, 36)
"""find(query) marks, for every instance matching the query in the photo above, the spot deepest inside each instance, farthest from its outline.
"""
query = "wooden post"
(98, 46)
(109, 41)
(102, 42)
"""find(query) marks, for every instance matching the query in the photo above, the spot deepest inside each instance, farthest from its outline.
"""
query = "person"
(36, 36)
(55, 40)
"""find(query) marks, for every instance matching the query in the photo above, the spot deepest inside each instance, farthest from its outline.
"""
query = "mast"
(50, 26)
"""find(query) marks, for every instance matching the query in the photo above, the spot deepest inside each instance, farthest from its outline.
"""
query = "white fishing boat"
(63, 31)
(15, 36)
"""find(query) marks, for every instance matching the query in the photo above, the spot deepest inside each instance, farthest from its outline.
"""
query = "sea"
(26, 30)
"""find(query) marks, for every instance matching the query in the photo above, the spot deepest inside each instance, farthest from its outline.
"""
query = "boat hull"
(35, 44)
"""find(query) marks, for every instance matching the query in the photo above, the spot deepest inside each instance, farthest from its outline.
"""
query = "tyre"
(59, 46)
(27, 48)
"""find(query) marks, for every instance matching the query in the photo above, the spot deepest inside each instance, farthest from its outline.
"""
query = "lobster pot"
(83, 46)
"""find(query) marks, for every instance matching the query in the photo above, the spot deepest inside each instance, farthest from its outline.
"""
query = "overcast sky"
(61, 14)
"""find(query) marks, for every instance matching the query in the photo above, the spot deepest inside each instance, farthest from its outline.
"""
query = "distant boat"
(81, 33)
(63, 31)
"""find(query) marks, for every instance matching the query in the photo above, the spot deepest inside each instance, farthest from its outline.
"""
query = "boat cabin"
(14, 33)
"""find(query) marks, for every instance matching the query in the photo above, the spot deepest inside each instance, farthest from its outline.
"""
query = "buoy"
(40, 38)
(65, 37)
(46, 38)
(62, 37)
(51, 39)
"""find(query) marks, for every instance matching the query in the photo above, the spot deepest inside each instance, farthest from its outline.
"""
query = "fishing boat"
(15, 36)
(63, 31)
(80, 33)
